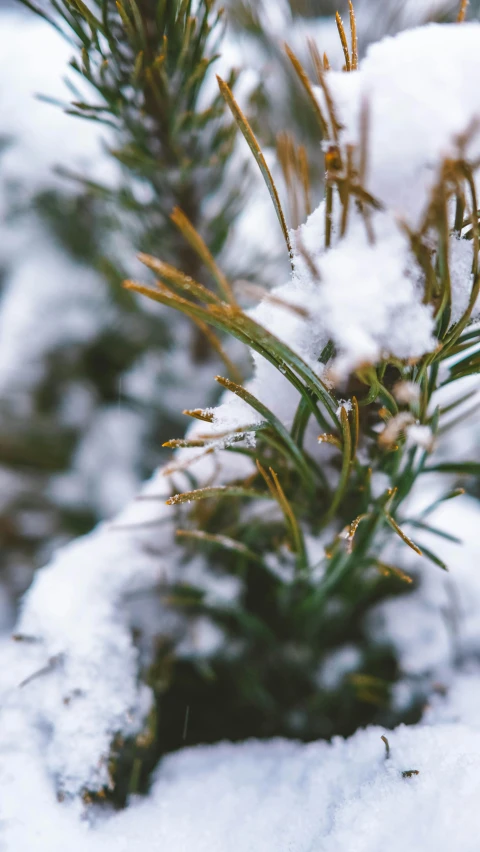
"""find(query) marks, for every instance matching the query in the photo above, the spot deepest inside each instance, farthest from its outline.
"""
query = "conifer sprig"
(365, 438)
(147, 63)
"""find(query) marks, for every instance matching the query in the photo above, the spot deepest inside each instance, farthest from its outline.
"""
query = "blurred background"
(92, 381)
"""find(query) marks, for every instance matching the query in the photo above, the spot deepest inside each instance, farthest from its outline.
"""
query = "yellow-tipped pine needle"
(251, 140)
(463, 12)
(179, 466)
(217, 346)
(263, 473)
(199, 414)
(215, 491)
(181, 443)
(198, 244)
(305, 178)
(346, 467)
(256, 291)
(88, 15)
(343, 39)
(302, 76)
(129, 28)
(294, 163)
(178, 279)
(278, 494)
(389, 570)
(403, 535)
(320, 71)
(345, 192)
(330, 439)
(287, 156)
(220, 541)
(353, 529)
(291, 520)
(353, 30)
(317, 62)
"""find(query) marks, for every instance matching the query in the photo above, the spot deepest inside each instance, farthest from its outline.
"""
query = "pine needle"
(198, 244)
(335, 126)
(307, 257)
(215, 491)
(294, 163)
(178, 279)
(182, 443)
(273, 484)
(346, 467)
(218, 348)
(403, 535)
(291, 448)
(343, 39)
(251, 140)
(364, 135)
(302, 76)
(256, 291)
(199, 414)
(389, 570)
(353, 30)
(352, 529)
(180, 466)
(334, 440)
(290, 517)
(286, 153)
(305, 178)
(462, 15)
(317, 62)
(222, 541)
(129, 28)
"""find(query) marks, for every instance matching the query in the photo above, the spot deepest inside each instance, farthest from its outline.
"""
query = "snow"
(370, 300)
(367, 295)
(70, 682)
(435, 628)
(410, 124)
(87, 689)
(33, 59)
(275, 796)
(461, 276)
(76, 651)
(32, 291)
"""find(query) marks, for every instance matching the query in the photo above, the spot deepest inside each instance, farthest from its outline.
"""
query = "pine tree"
(294, 612)
(173, 147)
(148, 65)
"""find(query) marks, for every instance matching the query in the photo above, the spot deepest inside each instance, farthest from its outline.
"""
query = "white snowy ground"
(274, 796)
